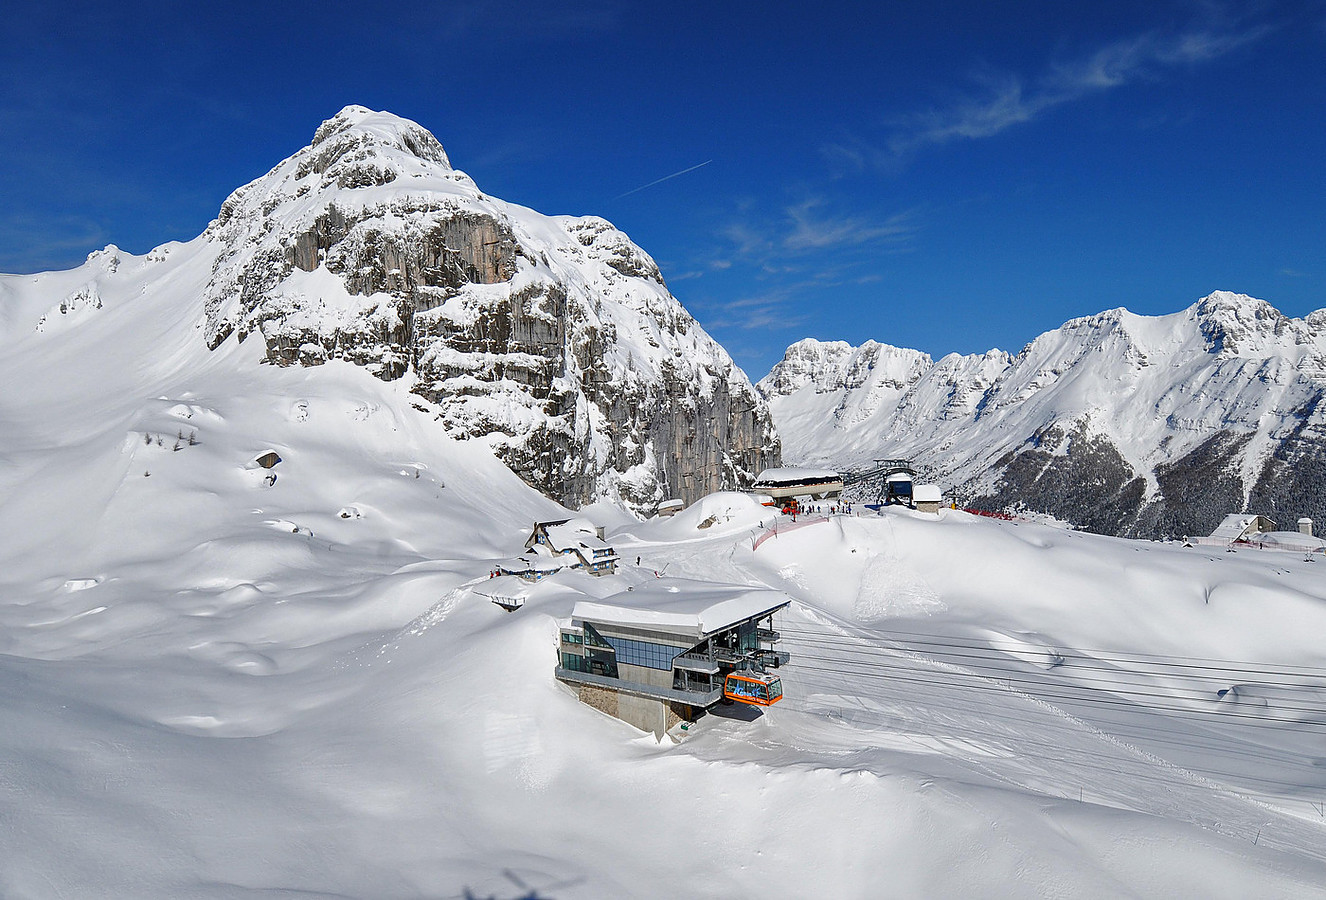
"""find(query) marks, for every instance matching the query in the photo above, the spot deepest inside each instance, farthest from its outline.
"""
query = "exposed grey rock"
(553, 339)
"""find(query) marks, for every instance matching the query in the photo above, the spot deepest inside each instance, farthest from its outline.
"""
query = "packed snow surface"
(219, 680)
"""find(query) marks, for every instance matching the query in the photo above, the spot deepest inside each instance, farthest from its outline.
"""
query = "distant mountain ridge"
(1151, 426)
(551, 338)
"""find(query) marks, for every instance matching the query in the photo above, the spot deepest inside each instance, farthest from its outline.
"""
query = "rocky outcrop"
(553, 339)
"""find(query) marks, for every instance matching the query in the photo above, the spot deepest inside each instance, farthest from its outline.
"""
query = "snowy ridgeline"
(1119, 423)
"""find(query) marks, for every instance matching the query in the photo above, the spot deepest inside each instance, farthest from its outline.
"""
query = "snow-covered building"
(577, 541)
(927, 497)
(1291, 541)
(536, 563)
(1242, 527)
(657, 655)
(670, 508)
(790, 482)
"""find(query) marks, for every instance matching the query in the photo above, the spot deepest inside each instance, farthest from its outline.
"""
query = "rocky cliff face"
(552, 338)
(1124, 424)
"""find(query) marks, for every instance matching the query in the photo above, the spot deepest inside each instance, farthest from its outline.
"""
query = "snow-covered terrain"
(219, 683)
(228, 676)
(1143, 425)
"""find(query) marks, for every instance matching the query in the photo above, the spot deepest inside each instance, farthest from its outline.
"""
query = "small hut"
(927, 498)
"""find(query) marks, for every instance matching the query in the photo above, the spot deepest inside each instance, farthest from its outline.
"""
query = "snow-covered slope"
(219, 684)
(1117, 422)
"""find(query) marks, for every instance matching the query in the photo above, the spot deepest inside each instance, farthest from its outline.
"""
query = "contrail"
(663, 179)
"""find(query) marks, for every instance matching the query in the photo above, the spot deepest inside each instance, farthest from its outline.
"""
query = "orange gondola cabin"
(754, 688)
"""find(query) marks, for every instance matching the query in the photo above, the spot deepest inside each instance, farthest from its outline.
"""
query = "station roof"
(681, 606)
(789, 475)
(1291, 540)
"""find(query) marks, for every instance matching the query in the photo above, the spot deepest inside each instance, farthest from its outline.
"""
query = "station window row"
(644, 653)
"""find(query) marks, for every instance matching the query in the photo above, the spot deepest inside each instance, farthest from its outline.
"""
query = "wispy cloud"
(812, 230)
(770, 310)
(811, 226)
(1004, 101)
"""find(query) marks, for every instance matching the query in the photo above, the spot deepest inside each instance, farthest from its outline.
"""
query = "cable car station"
(664, 652)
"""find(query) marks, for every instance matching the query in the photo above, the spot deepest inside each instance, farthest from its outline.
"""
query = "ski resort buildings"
(658, 655)
(563, 544)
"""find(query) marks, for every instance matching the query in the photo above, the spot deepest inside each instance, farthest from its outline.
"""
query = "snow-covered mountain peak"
(108, 256)
(547, 336)
(1239, 325)
(357, 125)
(835, 365)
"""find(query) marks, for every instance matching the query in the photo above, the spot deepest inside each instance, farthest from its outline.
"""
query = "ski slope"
(219, 685)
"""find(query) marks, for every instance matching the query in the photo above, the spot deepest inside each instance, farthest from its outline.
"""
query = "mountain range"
(554, 341)
(1147, 426)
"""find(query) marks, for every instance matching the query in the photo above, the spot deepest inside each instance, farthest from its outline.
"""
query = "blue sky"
(949, 176)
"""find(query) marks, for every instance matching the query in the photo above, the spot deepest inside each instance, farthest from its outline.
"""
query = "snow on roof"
(1235, 526)
(682, 606)
(795, 475)
(927, 493)
(570, 534)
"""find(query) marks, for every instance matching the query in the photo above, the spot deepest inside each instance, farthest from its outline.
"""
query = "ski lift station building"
(788, 482)
(658, 655)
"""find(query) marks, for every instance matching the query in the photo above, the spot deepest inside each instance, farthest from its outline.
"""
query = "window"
(572, 637)
(644, 653)
(574, 663)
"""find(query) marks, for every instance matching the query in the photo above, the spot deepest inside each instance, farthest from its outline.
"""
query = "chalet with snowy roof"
(670, 508)
(1241, 527)
(664, 652)
(787, 483)
(578, 541)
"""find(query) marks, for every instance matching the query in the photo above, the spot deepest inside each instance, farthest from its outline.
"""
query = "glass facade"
(644, 653)
(747, 639)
